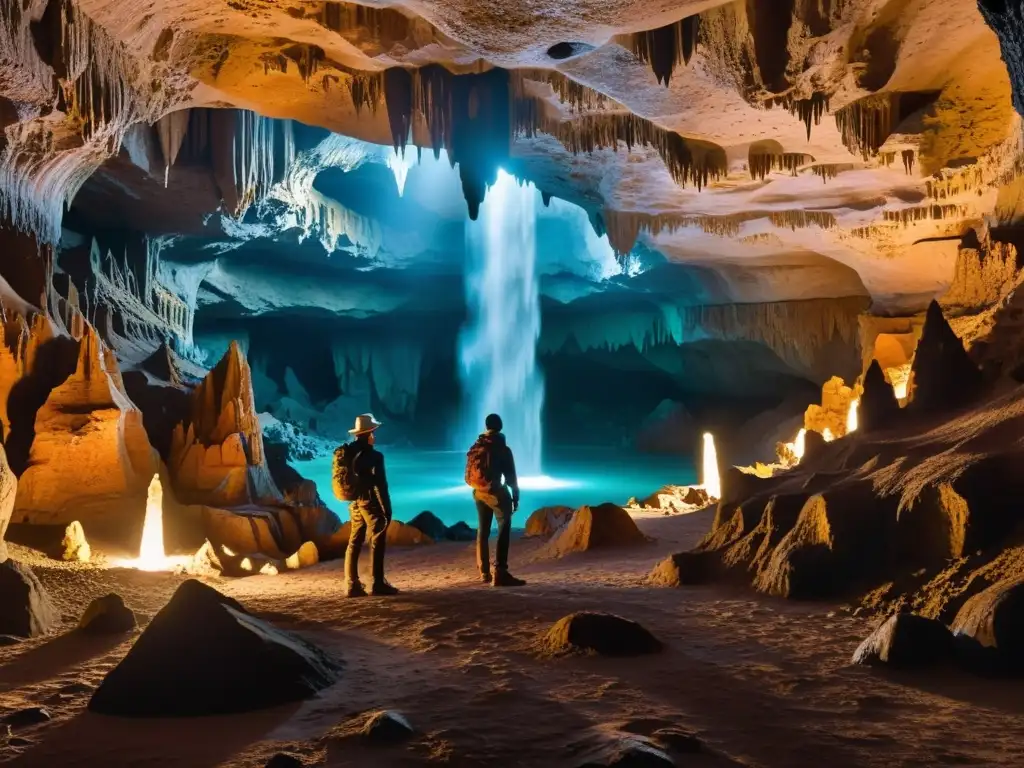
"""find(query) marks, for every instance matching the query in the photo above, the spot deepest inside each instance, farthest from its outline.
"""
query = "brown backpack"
(479, 474)
(345, 482)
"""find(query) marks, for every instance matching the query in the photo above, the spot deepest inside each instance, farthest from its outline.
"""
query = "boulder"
(304, 557)
(430, 525)
(107, 615)
(8, 489)
(628, 751)
(600, 527)
(879, 408)
(905, 641)
(989, 629)
(25, 607)
(602, 633)
(204, 654)
(684, 568)
(546, 520)
(24, 718)
(677, 497)
(74, 545)
(284, 760)
(942, 376)
(387, 727)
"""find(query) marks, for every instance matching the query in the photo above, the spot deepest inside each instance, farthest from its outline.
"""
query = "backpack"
(479, 474)
(345, 482)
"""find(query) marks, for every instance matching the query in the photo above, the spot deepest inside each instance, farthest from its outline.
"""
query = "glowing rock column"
(498, 346)
(151, 550)
(711, 480)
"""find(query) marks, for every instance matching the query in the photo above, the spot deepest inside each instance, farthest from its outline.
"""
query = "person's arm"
(380, 483)
(511, 480)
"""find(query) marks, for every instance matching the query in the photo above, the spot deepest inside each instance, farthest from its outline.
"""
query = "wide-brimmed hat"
(364, 423)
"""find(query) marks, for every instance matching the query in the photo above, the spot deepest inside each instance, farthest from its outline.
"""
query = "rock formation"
(546, 520)
(107, 615)
(600, 633)
(879, 408)
(943, 375)
(25, 607)
(906, 641)
(204, 654)
(8, 489)
(602, 526)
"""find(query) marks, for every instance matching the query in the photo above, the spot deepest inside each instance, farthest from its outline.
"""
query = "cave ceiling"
(778, 149)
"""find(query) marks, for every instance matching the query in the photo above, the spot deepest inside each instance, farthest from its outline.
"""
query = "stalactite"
(908, 161)
(952, 183)
(865, 124)
(578, 97)
(366, 90)
(800, 219)
(828, 171)
(385, 25)
(398, 95)
(761, 165)
(907, 216)
(664, 48)
(808, 111)
(762, 238)
(171, 130)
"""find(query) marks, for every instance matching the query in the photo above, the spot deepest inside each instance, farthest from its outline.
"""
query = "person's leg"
(356, 536)
(484, 515)
(378, 525)
(503, 512)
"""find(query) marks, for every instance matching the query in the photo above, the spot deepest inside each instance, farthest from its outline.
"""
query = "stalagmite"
(664, 48)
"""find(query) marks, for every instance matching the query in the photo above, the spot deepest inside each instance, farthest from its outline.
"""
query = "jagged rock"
(25, 607)
(431, 525)
(305, 556)
(879, 408)
(217, 457)
(8, 489)
(606, 525)
(213, 558)
(684, 568)
(107, 615)
(546, 520)
(75, 546)
(90, 459)
(602, 633)
(387, 727)
(989, 629)
(906, 640)
(204, 654)
(24, 718)
(942, 376)
(677, 497)
(629, 751)
(836, 398)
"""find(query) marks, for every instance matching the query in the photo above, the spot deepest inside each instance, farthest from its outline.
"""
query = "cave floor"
(759, 681)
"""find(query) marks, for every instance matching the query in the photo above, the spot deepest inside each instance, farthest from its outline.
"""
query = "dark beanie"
(493, 422)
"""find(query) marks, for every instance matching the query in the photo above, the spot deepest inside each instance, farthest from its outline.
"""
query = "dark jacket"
(503, 464)
(373, 482)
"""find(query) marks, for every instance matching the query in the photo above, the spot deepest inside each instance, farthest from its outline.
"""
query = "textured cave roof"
(215, 53)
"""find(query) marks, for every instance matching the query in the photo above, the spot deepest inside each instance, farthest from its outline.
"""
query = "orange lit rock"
(606, 525)
(8, 489)
(75, 546)
(90, 459)
(835, 405)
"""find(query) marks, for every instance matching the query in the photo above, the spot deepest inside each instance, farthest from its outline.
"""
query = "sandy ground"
(761, 682)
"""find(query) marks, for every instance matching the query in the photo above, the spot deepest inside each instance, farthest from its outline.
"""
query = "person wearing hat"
(359, 479)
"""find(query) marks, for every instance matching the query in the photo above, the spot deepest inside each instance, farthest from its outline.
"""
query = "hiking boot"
(506, 579)
(383, 589)
(355, 589)
(485, 578)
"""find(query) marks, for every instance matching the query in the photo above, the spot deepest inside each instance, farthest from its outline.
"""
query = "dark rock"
(107, 615)
(19, 741)
(283, 760)
(989, 629)
(387, 727)
(601, 633)
(905, 641)
(685, 568)
(25, 607)
(879, 408)
(628, 752)
(942, 376)
(204, 654)
(814, 444)
(568, 50)
(461, 532)
(431, 525)
(678, 740)
(24, 718)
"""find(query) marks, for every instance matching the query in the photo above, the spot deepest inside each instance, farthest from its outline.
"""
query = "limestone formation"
(107, 615)
(25, 606)
(904, 641)
(204, 654)
(75, 546)
(8, 489)
(942, 377)
(90, 457)
(879, 408)
(602, 633)
(836, 398)
(600, 527)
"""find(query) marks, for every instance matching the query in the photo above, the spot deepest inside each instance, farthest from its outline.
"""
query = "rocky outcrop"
(990, 629)
(905, 641)
(879, 408)
(90, 458)
(602, 633)
(8, 489)
(831, 415)
(546, 520)
(204, 654)
(942, 376)
(74, 546)
(107, 615)
(600, 527)
(25, 607)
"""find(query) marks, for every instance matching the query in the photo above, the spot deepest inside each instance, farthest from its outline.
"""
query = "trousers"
(368, 521)
(489, 507)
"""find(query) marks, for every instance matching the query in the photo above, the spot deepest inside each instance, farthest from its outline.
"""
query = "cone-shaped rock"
(204, 654)
(879, 407)
(942, 376)
(905, 640)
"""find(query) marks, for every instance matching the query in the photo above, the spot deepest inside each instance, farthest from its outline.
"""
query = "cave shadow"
(48, 660)
(1005, 694)
(93, 739)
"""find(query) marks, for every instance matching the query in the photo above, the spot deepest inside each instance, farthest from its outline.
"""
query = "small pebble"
(26, 717)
